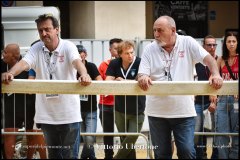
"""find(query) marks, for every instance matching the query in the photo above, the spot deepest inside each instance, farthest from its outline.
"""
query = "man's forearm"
(79, 66)
(212, 65)
(18, 68)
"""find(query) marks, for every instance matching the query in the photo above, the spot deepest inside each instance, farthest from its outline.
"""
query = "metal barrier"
(119, 88)
(98, 49)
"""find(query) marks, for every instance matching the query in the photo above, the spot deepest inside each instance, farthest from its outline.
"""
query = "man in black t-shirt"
(88, 108)
(126, 68)
(205, 102)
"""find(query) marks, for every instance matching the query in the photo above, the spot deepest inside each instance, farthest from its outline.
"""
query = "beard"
(161, 43)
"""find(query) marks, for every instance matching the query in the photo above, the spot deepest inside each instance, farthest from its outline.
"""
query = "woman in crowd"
(227, 106)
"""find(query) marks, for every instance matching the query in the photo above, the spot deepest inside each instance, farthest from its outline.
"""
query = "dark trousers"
(106, 116)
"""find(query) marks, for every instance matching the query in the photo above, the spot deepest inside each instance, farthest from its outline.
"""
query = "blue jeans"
(200, 141)
(227, 122)
(62, 140)
(183, 131)
(88, 125)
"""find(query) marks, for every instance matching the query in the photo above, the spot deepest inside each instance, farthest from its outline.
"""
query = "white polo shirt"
(65, 108)
(154, 61)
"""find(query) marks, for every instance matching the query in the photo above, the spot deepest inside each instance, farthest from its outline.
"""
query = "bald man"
(16, 106)
(171, 57)
(11, 54)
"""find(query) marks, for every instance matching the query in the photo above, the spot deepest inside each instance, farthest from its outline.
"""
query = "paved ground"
(141, 152)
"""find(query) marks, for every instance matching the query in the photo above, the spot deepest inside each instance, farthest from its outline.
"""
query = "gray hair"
(170, 20)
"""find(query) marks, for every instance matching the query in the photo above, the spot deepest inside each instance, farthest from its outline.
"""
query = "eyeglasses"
(211, 45)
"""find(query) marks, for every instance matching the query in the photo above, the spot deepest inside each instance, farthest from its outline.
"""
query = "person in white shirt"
(57, 114)
(171, 57)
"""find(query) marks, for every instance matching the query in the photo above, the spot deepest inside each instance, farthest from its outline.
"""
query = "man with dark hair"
(58, 115)
(106, 102)
(88, 108)
(204, 102)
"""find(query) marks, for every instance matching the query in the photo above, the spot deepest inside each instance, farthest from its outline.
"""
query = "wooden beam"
(119, 87)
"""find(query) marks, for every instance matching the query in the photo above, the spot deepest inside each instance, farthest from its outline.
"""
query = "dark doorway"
(190, 16)
(64, 16)
(195, 29)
